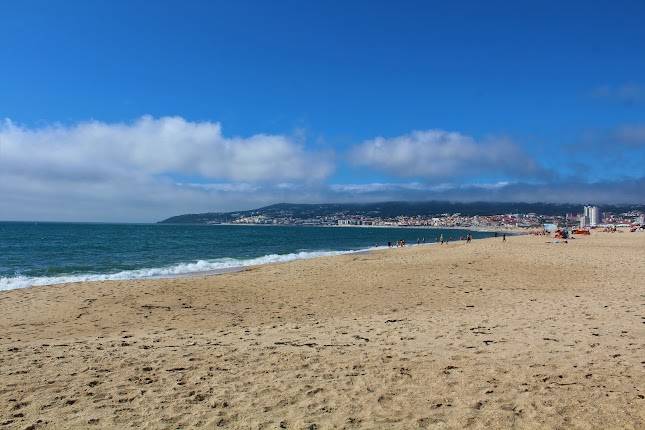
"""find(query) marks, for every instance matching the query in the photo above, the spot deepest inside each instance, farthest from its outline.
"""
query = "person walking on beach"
(468, 238)
(504, 237)
(441, 238)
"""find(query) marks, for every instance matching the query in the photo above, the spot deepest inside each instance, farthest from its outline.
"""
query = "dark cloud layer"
(616, 192)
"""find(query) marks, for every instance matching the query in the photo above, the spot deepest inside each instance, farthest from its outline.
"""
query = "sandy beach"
(521, 334)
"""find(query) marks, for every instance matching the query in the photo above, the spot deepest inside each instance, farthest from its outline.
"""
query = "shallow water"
(49, 253)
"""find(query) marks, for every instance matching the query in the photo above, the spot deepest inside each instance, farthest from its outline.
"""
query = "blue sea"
(52, 253)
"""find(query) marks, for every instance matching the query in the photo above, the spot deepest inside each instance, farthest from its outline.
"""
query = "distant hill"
(390, 210)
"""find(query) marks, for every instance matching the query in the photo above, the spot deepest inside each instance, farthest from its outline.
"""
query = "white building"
(584, 218)
(590, 216)
(594, 216)
(348, 222)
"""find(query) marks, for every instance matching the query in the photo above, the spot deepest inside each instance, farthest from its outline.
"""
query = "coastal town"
(589, 217)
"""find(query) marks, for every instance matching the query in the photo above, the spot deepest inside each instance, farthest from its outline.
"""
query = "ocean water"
(51, 253)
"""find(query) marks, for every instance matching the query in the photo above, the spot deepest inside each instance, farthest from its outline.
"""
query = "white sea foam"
(196, 267)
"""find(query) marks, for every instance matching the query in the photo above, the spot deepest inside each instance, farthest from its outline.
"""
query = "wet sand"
(522, 334)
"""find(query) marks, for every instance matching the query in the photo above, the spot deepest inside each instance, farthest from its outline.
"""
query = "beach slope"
(523, 334)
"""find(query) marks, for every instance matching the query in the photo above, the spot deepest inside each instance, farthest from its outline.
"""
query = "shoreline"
(8, 283)
(120, 276)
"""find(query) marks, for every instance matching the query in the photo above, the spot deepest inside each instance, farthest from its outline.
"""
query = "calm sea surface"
(49, 253)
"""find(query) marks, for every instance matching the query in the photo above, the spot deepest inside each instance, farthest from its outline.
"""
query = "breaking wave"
(218, 265)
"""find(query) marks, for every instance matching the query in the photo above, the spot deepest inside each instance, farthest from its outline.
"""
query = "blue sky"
(259, 102)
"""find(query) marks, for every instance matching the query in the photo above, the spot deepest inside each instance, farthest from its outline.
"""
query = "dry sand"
(521, 334)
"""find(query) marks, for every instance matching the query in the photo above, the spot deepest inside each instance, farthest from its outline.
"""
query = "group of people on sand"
(468, 238)
(398, 244)
(440, 239)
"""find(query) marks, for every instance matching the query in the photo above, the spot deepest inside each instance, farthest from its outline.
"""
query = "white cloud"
(240, 187)
(443, 154)
(97, 151)
(129, 172)
(375, 187)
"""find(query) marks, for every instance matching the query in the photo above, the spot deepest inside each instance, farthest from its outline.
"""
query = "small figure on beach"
(504, 237)
(389, 244)
(441, 239)
(469, 237)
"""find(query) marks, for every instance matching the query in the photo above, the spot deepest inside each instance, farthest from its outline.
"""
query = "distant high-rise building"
(590, 216)
(594, 216)
(584, 218)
